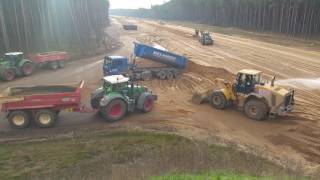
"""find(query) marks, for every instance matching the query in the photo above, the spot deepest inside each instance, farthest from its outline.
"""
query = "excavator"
(258, 99)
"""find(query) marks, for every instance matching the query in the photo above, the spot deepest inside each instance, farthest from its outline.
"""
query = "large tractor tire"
(54, 65)
(19, 119)
(45, 118)
(61, 64)
(256, 109)
(218, 100)
(27, 68)
(9, 74)
(114, 111)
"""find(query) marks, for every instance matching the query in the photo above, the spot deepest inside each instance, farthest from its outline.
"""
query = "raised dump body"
(160, 55)
(41, 103)
(173, 64)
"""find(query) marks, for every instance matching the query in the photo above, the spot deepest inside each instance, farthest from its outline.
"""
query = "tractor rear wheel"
(218, 100)
(19, 119)
(27, 69)
(256, 109)
(9, 74)
(45, 118)
(114, 111)
(61, 64)
(53, 65)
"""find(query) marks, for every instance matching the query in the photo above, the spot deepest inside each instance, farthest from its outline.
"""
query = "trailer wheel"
(177, 75)
(162, 75)
(45, 118)
(170, 75)
(218, 100)
(53, 65)
(9, 74)
(27, 68)
(146, 76)
(114, 111)
(19, 119)
(61, 64)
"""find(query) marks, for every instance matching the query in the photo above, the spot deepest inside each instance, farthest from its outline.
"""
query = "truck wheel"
(218, 100)
(53, 65)
(27, 69)
(9, 74)
(61, 64)
(19, 119)
(114, 111)
(162, 75)
(45, 118)
(146, 76)
(170, 75)
(256, 109)
(177, 75)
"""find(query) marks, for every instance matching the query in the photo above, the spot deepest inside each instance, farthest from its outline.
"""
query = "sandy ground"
(289, 140)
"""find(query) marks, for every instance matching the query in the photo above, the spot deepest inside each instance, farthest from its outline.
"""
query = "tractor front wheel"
(256, 109)
(148, 103)
(9, 74)
(114, 111)
(27, 69)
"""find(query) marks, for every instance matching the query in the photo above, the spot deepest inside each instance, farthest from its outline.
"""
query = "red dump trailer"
(53, 59)
(40, 103)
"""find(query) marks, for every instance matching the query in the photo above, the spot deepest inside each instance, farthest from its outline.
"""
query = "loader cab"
(115, 65)
(246, 80)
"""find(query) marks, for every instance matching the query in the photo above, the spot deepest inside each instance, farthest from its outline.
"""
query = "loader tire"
(218, 100)
(256, 109)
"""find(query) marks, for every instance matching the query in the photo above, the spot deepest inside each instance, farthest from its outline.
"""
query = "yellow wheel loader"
(256, 98)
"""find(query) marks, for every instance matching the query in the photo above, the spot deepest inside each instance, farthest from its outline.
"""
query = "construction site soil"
(292, 141)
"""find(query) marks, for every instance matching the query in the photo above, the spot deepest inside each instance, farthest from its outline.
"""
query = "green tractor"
(118, 96)
(13, 64)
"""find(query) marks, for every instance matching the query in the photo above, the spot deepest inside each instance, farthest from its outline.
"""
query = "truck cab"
(115, 65)
(246, 80)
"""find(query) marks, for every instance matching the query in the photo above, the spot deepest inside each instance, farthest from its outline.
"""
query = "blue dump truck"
(174, 64)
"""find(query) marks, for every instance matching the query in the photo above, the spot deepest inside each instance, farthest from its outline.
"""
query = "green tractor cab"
(118, 96)
(13, 64)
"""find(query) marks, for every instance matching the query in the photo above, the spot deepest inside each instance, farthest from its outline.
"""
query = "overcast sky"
(134, 4)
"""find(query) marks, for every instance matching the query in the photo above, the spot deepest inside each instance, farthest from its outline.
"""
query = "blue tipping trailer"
(114, 65)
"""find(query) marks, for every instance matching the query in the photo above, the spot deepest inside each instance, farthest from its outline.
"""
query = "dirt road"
(292, 138)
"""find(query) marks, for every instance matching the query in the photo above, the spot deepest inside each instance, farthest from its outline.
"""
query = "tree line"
(46, 25)
(292, 17)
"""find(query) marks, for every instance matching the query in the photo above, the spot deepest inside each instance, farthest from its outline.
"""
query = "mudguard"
(21, 63)
(108, 98)
(141, 100)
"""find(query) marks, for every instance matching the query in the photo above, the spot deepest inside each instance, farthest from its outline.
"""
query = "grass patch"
(124, 155)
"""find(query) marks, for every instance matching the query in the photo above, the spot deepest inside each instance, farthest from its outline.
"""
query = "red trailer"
(40, 103)
(54, 59)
